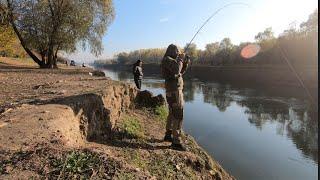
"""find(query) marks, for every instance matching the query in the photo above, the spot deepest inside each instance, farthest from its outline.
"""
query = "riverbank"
(271, 79)
(64, 123)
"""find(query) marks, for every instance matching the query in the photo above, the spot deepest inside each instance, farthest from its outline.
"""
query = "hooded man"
(173, 65)
(137, 73)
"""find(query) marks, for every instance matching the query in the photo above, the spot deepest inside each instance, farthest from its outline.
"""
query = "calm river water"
(251, 134)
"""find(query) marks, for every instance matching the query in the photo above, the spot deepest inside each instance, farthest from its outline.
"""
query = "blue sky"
(157, 23)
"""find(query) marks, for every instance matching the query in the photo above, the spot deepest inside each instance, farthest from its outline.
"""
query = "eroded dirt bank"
(66, 124)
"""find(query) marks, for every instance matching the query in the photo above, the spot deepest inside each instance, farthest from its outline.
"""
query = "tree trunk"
(23, 44)
(56, 57)
(52, 60)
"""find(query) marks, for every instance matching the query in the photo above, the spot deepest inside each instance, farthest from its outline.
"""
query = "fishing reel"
(187, 59)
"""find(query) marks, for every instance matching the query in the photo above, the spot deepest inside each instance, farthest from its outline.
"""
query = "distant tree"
(212, 48)
(192, 51)
(225, 50)
(46, 27)
(226, 44)
(123, 58)
(210, 51)
(300, 45)
(267, 34)
(291, 32)
(311, 25)
(266, 39)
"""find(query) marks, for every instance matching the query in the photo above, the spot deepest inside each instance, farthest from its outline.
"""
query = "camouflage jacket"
(172, 71)
(138, 72)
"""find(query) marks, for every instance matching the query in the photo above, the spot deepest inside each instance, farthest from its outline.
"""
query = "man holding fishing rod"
(174, 64)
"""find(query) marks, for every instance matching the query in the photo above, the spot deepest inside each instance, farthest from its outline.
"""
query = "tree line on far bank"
(300, 45)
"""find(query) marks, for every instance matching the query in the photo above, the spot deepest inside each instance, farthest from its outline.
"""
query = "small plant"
(135, 158)
(79, 164)
(162, 113)
(132, 127)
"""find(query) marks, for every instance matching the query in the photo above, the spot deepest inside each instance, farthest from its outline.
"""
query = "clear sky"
(157, 23)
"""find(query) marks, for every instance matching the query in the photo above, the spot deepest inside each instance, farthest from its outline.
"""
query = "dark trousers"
(137, 81)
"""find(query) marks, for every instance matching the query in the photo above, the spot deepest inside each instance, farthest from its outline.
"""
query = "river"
(253, 135)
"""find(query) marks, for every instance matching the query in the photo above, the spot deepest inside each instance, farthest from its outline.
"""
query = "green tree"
(45, 27)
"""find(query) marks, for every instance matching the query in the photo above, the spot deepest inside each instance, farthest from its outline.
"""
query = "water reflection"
(293, 120)
(189, 90)
(124, 76)
(217, 95)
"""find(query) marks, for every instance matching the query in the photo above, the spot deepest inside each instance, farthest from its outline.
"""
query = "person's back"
(137, 73)
(173, 66)
(171, 73)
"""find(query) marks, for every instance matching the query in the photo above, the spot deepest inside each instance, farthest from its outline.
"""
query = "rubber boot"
(168, 136)
(178, 147)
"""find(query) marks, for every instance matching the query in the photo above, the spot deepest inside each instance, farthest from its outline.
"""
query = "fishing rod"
(285, 57)
(210, 17)
(281, 50)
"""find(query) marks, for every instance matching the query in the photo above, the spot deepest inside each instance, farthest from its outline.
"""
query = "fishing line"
(215, 13)
(281, 50)
(285, 57)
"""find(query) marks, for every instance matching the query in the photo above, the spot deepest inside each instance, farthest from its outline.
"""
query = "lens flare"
(250, 51)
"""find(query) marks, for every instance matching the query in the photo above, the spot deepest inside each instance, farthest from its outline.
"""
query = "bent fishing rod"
(210, 17)
(281, 50)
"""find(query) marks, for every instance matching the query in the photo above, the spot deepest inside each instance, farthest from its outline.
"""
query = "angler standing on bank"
(137, 73)
(174, 64)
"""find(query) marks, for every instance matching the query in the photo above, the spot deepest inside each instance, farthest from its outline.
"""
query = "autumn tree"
(46, 27)
(192, 51)
(266, 39)
(9, 43)
(311, 25)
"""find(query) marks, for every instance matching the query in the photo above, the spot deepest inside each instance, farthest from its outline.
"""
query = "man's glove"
(186, 59)
(177, 75)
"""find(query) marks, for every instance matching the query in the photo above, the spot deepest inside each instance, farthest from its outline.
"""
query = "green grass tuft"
(132, 127)
(79, 165)
(80, 162)
(162, 113)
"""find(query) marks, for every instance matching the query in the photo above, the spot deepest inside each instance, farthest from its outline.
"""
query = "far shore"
(268, 77)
